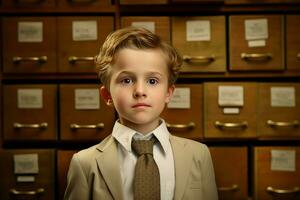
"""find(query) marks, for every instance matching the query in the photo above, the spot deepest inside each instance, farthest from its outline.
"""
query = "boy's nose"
(139, 90)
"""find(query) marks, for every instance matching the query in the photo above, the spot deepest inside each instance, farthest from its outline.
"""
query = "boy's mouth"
(139, 105)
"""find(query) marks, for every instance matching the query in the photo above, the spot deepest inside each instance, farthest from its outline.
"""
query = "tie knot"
(143, 146)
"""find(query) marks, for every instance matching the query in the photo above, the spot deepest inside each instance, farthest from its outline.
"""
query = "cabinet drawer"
(230, 110)
(30, 112)
(158, 25)
(292, 42)
(231, 172)
(279, 110)
(35, 33)
(201, 41)
(276, 170)
(186, 101)
(29, 3)
(139, 2)
(256, 42)
(79, 41)
(79, 4)
(63, 161)
(83, 114)
(27, 171)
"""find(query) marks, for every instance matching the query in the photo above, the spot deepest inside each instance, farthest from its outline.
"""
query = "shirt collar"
(124, 135)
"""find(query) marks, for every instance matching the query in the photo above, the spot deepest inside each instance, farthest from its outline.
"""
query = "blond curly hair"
(134, 38)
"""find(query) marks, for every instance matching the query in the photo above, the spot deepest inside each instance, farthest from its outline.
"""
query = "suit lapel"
(182, 160)
(108, 163)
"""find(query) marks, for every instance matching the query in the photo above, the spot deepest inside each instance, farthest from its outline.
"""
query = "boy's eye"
(126, 81)
(152, 81)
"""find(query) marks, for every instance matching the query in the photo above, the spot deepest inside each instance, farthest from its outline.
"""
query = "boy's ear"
(170, 93)
(105, 94)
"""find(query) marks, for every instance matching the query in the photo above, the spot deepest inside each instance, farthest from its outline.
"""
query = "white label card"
(283, 97)
(147, 25)
(87, 99)
(256, 29)
(30, 32)
(30, 98)
(26, 163)
(181, 98)
(231, 111)
(84, 30)
(231, 96)
(25, 179)
(198, 30)
(256, 43)
(283, 160)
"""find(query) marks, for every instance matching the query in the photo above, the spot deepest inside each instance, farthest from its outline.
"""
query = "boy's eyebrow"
(132, 73)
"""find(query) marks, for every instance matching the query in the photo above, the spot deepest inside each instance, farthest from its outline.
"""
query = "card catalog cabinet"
(63, 161)
(80, 40)
(279, 110)
(27, 174)
(158, 25)
(276, 173)
(231, 172)
(201, 41)
(35, 33)
(256, 42)
(30, 112)
(28, 3)
(83, 113)
(230, 110)
(183, 114)
(292, 42)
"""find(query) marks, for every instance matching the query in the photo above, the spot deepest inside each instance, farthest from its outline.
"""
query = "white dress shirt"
(162, 153)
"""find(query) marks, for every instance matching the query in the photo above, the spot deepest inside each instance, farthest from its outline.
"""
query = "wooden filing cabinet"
(28, 3)
(80, 40)
(183, 114)
(63, 161)
(231, 172)
(230, 110)
(37, 34)
(83, 113)
(139, 2)
(276, 173)
(202, 42)
(30, 112)
(27, 174)
(292, 42)
(279, 110)
(157, 24)
(256, 42)
(82, 3)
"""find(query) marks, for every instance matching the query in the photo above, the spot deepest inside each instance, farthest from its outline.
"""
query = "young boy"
(138, 72)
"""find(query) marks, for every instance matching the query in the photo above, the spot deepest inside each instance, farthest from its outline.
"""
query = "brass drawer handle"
(298, 56)
(232, 188)
(18, 59)
(92, 126)
(294, 123)
(256, 56)
(74, 59)
(39, 191)
(222, 125)
(199, 59)
(42, 125)
(188, 126)
(281, 191)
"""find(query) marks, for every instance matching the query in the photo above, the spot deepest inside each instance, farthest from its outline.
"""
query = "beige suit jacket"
(94, 173)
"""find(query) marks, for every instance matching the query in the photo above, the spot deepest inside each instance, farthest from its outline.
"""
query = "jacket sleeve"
(77, 184)
(209, 184)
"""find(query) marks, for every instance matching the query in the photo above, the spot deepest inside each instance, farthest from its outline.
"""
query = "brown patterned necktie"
(146, 179)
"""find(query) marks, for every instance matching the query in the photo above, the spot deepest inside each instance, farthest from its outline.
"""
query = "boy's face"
(139, 88)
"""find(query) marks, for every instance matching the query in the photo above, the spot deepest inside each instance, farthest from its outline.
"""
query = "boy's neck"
(142, 128)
